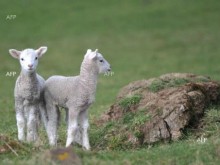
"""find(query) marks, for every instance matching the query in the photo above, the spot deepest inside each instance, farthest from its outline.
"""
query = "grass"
(135, 119)
(188, 151)
(160, 84)
(129, 101)
(141, 39)
(117, 134)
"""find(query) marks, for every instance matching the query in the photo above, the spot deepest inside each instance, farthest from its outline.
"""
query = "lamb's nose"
(109, 69)
(30, 65)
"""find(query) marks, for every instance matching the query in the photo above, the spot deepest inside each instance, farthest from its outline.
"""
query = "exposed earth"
(158, 109)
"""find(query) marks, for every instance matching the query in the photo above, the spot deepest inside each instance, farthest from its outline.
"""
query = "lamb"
(75, 94)
(28, 94)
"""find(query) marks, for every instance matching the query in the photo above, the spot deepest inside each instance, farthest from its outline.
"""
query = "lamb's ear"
(93, 55)
(90, 55)
(96, 51)
(15, 53)
(88, 51)
(41, 51)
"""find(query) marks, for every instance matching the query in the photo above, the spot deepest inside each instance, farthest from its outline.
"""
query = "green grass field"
(141, 39)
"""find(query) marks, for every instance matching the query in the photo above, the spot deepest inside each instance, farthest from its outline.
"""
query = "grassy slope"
(141, 39)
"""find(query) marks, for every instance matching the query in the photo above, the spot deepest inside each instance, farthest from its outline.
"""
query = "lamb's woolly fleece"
(28, 93)
(75, 94)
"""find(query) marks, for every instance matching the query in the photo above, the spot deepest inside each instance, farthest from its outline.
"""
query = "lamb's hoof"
(86, 148)
(21, 140)
(53, 145)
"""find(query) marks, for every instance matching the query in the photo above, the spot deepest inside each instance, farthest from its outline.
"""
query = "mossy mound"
(155, 110)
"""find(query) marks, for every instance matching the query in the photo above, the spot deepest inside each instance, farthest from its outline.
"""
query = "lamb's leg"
(20, 117)
(43, 114)
(84, 125)
(67, 115)
(52, 124)
(77, 135)
(72, 125)
(32, 123)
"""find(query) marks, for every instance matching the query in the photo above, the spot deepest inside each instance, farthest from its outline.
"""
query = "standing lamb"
(75, 94)
(28, 93)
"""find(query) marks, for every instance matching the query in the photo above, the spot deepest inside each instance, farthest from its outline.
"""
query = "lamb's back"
(61, 88)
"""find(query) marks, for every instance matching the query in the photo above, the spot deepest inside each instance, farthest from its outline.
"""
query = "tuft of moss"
(128, 117)
(114, 135)
(136, 119)
(140, 119)
(129, 101)
(117, 142)
(160, 84)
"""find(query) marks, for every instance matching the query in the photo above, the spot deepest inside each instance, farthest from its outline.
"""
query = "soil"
(172, 102)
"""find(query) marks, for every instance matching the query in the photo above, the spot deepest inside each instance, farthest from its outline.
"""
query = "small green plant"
(133, 119)
(114, 135)
(138, 134)
(129, 101)
(211, 122)
(156, 85)
(128, 117)
(117, 141)
(159, 84)
(140, 119)
(136, 119)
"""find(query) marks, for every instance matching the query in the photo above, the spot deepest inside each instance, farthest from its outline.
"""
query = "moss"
(156, 85)
(117, 142)
(128, 117)
(129, 101)
(160, 84)
(114, 134)
(202, 79)
(138, 118)
(101, 134)
(138, 134)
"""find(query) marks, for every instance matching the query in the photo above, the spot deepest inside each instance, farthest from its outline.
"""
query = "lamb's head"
(97, 61)
(28, 58)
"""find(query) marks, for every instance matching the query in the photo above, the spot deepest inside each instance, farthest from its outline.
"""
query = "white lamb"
(28, 93)
(75, 94)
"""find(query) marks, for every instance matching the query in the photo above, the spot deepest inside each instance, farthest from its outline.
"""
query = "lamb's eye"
(100, 60)
(22, 59)
(36, 58)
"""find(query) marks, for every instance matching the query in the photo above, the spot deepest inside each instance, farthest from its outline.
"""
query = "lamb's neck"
(88, 81)
(29, 77)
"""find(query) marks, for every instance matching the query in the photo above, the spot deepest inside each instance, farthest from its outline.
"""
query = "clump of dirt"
(7, 145)
(62, 156)
(155, 110)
